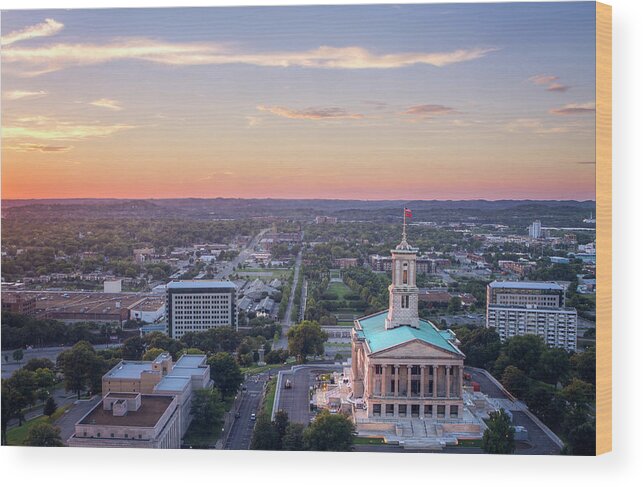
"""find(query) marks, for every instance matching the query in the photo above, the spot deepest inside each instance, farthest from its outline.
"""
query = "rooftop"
(190, 361)
(172, 384)
(553, 286)
(151, 410)
(379, 338)
(201, 285)
(129, 370)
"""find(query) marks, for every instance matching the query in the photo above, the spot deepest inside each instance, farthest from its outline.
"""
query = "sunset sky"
(468, 101)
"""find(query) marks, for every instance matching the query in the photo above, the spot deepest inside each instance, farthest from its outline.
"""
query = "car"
(237, 414)
(253, 417)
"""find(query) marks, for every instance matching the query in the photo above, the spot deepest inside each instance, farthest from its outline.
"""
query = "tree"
(39, 363)
(554, 366)
(455, 304)
(578, 393)
(50, 407)
(264, 436)
(584, 364)
(18, 355)
(133, 348)
(329, 432)
(82, 368)
(499, 435)
(225, 373)
(481, 347)
(43, 434)
(582, 439)
(281, 423)
(207, 409)
(524, 352)
(293, 439)
(306, 338)
(515, 381)
(152, 353)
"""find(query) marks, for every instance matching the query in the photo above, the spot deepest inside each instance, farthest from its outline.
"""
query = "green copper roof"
(379, 338)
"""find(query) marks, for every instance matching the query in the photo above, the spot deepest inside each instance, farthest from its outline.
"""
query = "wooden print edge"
(603, 228)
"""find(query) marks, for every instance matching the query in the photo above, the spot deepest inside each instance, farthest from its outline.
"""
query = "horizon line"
(290, 199)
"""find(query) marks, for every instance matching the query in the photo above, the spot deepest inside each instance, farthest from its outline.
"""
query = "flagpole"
(404, 226)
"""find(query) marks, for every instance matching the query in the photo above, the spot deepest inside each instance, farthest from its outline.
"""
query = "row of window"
(403, 410)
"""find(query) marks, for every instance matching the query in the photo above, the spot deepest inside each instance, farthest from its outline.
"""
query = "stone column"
(436, 374)
(371, 381)
(396, 391)
(447, 371)
(460, 379)
(422, 378)
(384, 384)
(408, 380)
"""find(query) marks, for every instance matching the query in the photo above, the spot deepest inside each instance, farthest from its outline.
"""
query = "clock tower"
(403, 293)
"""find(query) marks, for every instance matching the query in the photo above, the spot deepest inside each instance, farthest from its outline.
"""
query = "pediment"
(416, 349)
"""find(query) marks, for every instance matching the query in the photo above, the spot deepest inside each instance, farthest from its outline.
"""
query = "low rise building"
(130, 420)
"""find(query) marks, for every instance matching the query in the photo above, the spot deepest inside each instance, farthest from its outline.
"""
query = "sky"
(439, 101)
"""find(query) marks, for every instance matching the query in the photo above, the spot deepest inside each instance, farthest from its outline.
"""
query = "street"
(287, 320)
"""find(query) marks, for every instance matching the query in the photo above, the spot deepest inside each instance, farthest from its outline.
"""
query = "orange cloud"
(575, 109)
(331, 113)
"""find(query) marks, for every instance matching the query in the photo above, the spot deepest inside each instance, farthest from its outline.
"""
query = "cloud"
(47, 28)
(45, 128)
(43, 59)
(575, 109)
(428, 110)
(107, 103)
(558, 87)
(550, 81)
(20, 94)
(41, 148)
(330, 113)
(535, 126)
(543, 79)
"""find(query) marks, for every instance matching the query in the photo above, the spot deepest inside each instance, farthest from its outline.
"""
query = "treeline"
(327, 432)
(21, 331)
(557, 386)
(53, 245)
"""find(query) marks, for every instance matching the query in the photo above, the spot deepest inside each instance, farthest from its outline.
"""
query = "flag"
(407, 213)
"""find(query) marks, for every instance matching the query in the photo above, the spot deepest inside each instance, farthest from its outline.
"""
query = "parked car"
(288, 384)
(253, 417)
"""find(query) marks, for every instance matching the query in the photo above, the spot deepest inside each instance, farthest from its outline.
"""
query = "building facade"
(402, 366)
(195, 306)
(532, 308)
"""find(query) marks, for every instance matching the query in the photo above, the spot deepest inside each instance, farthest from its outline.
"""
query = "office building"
(196, 306)
(535, 308)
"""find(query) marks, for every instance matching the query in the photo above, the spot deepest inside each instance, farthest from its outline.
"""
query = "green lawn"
(201, 439)
(339, 288)
(376, 440)
(345, 323)
(470, 443)
(17, 435)
(269, 400)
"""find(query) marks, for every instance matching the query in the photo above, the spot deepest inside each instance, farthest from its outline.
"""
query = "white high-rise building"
(532, 308)
(535, 229)
(195, 306)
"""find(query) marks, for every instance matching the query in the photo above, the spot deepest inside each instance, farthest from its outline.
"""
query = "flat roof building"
(195, 306)
(516, 308)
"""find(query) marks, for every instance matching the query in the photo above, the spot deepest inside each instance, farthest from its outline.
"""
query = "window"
(378, 369)
(401, 410)
(390, 409)
(405, 274)
(377, 409)
(405, 301)
(428, 410)
(453, 411)
(415, 410)
(441, 411)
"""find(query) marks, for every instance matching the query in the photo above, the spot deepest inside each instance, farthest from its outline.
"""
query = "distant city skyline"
(373, 102)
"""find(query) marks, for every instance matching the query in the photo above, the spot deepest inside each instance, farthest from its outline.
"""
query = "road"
(67, 421)
(296, 400)
(304, 297)
(286, 323)
(10, 366)
(230, 267)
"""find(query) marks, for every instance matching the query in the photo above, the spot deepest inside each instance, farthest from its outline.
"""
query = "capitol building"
(406, 375)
